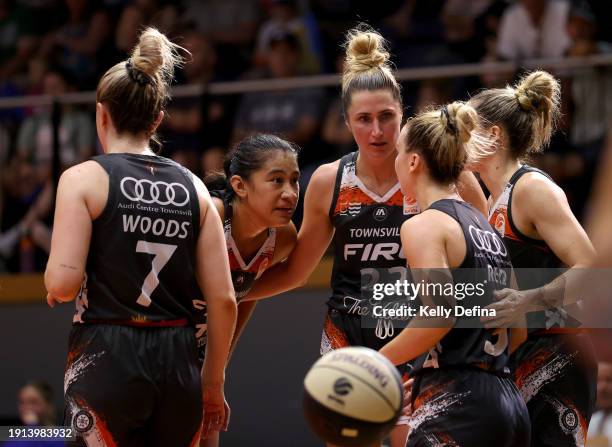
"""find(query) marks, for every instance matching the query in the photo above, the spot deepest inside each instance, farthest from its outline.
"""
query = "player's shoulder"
(325, 175)
(83, 175)
(429, 225)
(535, 190)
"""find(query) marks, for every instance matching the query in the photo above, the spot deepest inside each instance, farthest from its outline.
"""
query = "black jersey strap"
(524, 169)
(352, 157)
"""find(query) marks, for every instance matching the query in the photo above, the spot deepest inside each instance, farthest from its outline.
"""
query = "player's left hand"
(509, 307)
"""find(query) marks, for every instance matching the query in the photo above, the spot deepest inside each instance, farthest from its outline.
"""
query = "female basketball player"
(132, 233)
(555, 369)
(356, 201)
(255, 197)
(460, 395)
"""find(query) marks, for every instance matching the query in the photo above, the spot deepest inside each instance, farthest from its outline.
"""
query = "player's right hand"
(215, 414)
(52, 301)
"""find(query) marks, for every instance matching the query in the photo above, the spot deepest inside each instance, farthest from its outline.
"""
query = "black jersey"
(141, 262)
(367, 235)
(535, 262)
(244, 274)
(487, 263)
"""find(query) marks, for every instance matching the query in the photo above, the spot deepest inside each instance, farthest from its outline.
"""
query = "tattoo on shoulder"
(71, 267)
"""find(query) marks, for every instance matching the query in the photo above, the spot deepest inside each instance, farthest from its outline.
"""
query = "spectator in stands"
(293, 113)
(231, 26)
(195, 124)
(600, 428)
(459, 18)
(137, 14)
(77, 137)
(284, 15)
(17, 41)
(75, 45)
(533, 29)
(36, 409)
(35, 404)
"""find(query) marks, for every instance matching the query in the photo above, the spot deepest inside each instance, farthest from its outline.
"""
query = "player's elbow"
(62, 286)
(223, 304)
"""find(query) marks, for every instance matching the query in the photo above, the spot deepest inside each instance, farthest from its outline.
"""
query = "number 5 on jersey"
(163, 253)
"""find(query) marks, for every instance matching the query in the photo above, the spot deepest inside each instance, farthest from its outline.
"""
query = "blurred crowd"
(59, 46)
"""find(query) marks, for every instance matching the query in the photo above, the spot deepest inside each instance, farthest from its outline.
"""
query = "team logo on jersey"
(83, 421)
(157, 193)
(569, 419)
(342, 386)
(411, 206)
(500, 223)
(350, 208)
(487, 241)
(380, 213)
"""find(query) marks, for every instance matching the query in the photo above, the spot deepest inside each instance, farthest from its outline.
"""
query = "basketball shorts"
(466, 406)
(341, 330)
(133, 386)
(557, 376)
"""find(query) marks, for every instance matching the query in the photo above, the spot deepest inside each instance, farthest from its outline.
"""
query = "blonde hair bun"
(365, 50)
(155, 55)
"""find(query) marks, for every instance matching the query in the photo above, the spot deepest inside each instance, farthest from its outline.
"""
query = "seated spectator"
(75, 45)
(76, 133)
(36, 409)
(140, 13)
(193, 125)
(532, 29)
(35, 404)
(293, 113)
(284, 16)
(459, 18)
(231, 26)
(17, 41)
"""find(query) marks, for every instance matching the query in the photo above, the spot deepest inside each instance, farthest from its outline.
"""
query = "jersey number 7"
(163, 253)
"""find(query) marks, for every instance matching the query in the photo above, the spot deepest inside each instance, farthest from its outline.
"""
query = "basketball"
(352, 396)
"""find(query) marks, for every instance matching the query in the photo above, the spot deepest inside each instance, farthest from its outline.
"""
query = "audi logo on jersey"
(487, 241)
(158, 193)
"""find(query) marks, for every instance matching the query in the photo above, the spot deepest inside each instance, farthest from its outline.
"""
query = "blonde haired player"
(356, 202)
(462, 393)
(555, 370)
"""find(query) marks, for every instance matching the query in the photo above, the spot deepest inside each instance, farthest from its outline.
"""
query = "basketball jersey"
(244, 274)
(485, 253)
(535, 262)
(141, 262)
(367, 235)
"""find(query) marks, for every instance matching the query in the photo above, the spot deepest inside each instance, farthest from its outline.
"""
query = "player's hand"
(510, 306)
(214, 409)
(407, 405)
(52, 301)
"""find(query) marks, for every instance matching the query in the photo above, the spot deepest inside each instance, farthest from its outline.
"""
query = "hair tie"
(135, 74)
(449, 124)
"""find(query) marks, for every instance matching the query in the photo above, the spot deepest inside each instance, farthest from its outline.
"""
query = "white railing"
(566, 65)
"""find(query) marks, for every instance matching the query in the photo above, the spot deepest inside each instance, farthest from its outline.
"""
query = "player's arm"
(312, 240)
(469, 189)
(424, 239)
(547, 210)
(213, 274)
(77, 205)
(286, 238)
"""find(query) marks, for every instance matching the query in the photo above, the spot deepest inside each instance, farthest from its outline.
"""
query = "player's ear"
(414, 161)
(238, 185)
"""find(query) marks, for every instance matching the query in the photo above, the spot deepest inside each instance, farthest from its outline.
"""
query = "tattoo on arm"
(71, 267)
